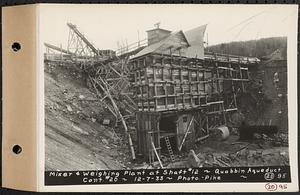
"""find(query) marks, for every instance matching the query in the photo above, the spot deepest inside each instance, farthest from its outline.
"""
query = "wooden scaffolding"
(167, 84)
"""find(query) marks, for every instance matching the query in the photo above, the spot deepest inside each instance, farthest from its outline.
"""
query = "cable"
(242, 30)
(247, 19)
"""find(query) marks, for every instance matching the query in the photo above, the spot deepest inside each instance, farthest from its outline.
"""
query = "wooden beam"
(98, 94)
(202, 138)
(115, 70)
(121, 117)
(185, 135)
(156, 154)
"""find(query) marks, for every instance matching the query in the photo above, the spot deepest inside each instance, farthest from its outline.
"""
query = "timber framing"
(168, 85)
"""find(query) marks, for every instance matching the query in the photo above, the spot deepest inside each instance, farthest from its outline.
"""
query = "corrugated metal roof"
(195, 39)
(173, 42)
(190, 44)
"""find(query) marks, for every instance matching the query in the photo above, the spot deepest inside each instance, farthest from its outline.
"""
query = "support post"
(156, 154)
(185, 135)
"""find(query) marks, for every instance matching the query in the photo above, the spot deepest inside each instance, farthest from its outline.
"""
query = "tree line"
(253, 48)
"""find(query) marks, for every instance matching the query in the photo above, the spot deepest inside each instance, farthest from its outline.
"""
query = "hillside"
(253, 48)
(75, 138)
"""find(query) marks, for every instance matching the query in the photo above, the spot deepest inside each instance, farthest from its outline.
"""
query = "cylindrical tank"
(224, 132)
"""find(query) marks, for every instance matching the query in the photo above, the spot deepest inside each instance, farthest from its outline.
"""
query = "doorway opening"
(168, 131)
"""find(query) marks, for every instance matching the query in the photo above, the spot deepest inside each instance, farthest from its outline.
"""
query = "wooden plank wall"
(166, 83)
(147, 127)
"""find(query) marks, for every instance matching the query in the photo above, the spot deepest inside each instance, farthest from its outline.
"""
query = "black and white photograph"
(167, 87)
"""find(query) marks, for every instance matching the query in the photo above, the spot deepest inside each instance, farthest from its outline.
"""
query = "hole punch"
(17, 149)
(16, 46)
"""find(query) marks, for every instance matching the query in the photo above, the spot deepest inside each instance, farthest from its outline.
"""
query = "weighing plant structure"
(183, 92)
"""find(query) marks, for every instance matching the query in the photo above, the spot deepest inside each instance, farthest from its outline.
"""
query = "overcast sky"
(105, 25)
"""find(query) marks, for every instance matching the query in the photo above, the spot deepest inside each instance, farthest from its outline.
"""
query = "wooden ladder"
(170, 149)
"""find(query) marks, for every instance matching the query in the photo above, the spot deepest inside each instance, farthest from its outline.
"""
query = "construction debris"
(193, 160)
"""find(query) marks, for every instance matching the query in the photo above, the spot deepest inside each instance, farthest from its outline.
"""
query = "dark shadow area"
(167, 126)
(247, 132)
